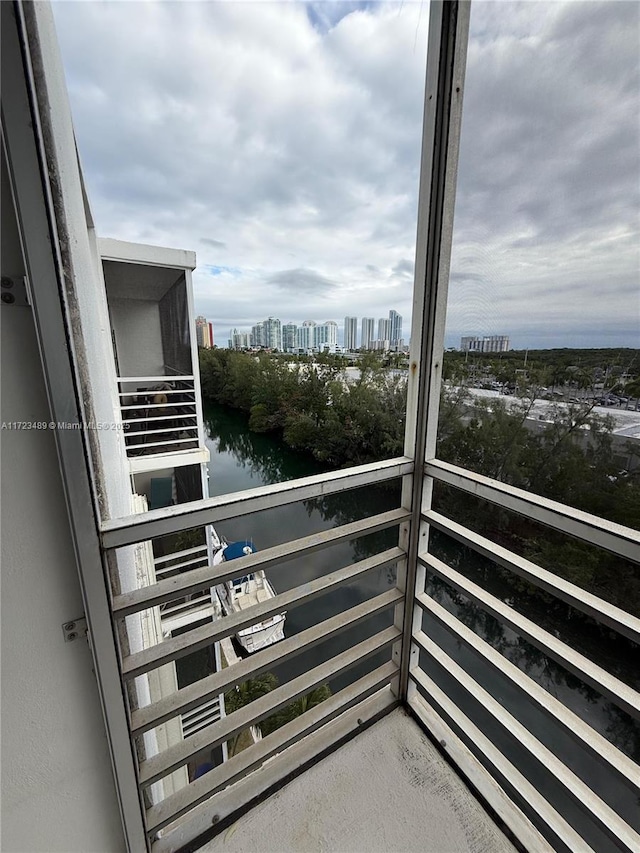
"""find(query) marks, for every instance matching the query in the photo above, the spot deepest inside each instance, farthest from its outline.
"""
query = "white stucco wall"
(57, 787)
(136, 323)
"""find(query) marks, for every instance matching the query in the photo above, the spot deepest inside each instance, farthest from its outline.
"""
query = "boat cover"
(236, 549)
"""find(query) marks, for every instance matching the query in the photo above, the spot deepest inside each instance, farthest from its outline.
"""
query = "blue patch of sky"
(212, 269)
(327, 13)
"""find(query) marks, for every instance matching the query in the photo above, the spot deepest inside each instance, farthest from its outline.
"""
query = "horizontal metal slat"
(172, 567)
(576, 727)
(613, 537)
(180, 753)
(196, 563)
(208, 576)
(179, 554)
(187, 404)
(434, 722)
(609, 820)
(193, 603)
(189, 697)
(169, 650)
(191, 417)
(608, 614)
(145, 445)
(149, 391)
(158, 431)
(159, 522)
(177, 377)
(624, 696)
(358, 694)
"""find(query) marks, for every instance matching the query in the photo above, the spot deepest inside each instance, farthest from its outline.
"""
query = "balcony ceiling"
(387, 790)
(138, 281)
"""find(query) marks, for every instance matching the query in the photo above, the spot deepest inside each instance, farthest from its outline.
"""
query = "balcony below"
(386, 790)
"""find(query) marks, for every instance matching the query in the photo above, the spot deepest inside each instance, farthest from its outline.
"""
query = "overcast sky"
(281, 142)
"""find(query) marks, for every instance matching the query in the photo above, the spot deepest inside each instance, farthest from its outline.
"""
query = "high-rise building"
(307, 335)
(368, 332)
(350, 333)
(204, 332)
(488, 343)
(327, 336)
(395, 329)
(384, 329)
(272, 333)
(289, 337)
(256, 337)
(238, 340)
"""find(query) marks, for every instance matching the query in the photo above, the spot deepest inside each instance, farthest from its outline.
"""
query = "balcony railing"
(159, 413)
(536, 812)
(193, 607)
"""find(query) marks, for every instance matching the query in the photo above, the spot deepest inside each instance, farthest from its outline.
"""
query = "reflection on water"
(243, 460)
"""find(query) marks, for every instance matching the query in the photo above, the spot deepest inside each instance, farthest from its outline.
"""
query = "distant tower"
(384, 329)
(368, 332)
(289, 337)
(204, 332)
(272, 333)
(350, 333)
(395, 329)
(307, 335)
(327, 336)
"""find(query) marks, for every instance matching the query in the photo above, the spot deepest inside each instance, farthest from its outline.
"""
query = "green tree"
(244, 694)
(295, 709)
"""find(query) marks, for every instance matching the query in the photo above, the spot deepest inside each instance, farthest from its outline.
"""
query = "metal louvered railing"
(498, 741)
(159, 414)
(371, 691)
(575, 781)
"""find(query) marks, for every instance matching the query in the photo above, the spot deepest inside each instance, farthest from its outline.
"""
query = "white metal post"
(446, 61)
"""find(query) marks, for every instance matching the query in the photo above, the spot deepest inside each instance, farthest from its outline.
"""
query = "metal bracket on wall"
(75, 629)
(13, 290)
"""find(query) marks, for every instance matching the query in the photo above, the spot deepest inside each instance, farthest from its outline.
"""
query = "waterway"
(243, 460)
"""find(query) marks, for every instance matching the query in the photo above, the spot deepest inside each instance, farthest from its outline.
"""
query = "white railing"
(193, 607)
(465, 738)
(186, 811)
(159, 413)
(196, 704)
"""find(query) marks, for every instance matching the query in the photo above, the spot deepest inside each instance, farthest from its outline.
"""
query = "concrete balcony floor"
(385, 791)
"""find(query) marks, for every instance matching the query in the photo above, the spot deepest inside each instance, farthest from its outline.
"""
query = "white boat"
(244, 592)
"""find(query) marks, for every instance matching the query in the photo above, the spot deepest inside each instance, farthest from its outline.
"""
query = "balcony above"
(160, 417)
(388, 789)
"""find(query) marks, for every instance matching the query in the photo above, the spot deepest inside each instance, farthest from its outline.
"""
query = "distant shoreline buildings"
(488, 343)
(311, 337)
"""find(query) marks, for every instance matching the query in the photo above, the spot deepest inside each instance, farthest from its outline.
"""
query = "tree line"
(310, 406)
(570, 459)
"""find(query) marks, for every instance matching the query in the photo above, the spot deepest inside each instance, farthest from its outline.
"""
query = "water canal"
(242, 460)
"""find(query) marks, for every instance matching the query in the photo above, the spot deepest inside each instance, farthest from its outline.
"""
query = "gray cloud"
(301, 281)
(216, 244)
(404, 268)
(292, 132)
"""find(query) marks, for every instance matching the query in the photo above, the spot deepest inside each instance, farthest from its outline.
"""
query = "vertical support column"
(446, 62)
(195, 362)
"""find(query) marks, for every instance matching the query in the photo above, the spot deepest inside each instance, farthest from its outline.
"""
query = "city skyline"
(323, 220)
(272, 333)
